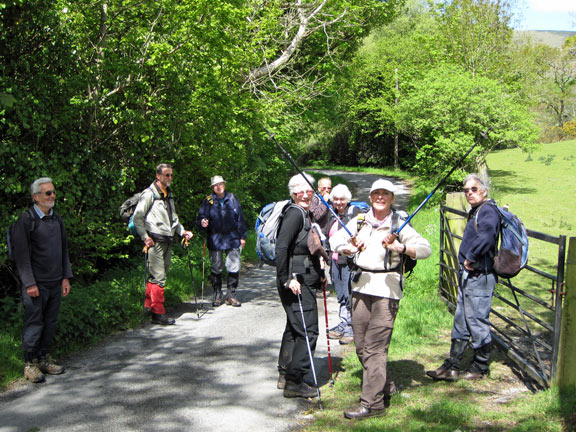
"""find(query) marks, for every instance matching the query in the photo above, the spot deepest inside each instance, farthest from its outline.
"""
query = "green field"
(538, 187)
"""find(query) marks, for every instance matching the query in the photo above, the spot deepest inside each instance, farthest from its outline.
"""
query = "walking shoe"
(217, 299)
(33, 373)
(162, 319)
(232, 300)
(47, 366)
(345, 340)
(281, 381)
(303, 390)
(335, 334)
(361, 412)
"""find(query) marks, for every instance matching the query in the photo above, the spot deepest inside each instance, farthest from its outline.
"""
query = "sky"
(547, 15)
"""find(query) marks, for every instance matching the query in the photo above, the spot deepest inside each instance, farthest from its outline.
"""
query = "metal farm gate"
(526, 310)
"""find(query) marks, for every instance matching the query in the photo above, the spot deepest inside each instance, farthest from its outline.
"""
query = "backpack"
(10, 233)
(511, 255)
(398, 218)
(127, 210)
(266, 227)
(362, 205)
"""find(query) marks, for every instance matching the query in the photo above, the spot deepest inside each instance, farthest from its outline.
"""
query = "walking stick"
(185, 242)
(327, 335)
(309, 351)
(203, 271)
(434, 191)
(145, 311)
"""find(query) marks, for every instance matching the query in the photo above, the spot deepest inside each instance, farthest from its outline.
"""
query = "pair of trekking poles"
(185, 244)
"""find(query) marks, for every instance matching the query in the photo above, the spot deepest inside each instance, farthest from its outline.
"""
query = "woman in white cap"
(376, 291)
(221, 214)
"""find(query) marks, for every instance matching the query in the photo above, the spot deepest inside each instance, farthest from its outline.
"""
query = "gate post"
(456, 224)
(566, 367)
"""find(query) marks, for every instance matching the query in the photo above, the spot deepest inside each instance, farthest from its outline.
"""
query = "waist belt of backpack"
(357, 268)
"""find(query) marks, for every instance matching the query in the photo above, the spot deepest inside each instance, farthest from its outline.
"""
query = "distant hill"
(547, 37)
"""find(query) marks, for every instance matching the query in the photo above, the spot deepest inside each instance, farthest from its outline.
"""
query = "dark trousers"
(40, 318)
(294, 357)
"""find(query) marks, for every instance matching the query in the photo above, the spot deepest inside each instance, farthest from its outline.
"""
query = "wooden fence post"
(566, 367)
(456, 223)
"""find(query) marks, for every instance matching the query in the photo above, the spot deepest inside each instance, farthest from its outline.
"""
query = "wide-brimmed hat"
(216, 179)
(383, 184)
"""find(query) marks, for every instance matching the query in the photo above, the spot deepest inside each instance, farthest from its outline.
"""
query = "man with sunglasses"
(43, 264)
(477, 281)
(156, 222)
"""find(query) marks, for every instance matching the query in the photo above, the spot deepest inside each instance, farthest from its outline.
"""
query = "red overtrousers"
(154, 299)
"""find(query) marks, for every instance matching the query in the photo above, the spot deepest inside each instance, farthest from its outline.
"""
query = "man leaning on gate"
(476, 286)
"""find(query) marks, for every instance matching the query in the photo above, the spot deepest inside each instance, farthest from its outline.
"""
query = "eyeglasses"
(325, 188)
(47, 193)
(301, 193)
(167, 175)
(473, 189)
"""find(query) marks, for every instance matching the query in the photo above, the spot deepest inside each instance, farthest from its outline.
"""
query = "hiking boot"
(444, 373)
(33, 373)
(217, 299)
(361, 412)
(162, 319)
(47, 366)
(281, 381)
(232, 300)
(471, 375)
(303, 390)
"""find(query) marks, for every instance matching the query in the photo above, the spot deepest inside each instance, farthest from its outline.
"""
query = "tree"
(476, 33)
(448, 110)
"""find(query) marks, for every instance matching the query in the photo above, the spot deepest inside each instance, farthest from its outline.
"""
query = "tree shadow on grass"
(507, 189)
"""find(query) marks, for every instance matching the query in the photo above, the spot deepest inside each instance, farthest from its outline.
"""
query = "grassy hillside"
(538, 187)
(552, 38)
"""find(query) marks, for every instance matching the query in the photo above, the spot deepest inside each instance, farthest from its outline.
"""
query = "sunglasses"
(47, 193)
(473, 189)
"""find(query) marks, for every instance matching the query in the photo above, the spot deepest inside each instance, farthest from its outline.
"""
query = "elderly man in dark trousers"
(221, 215)
(43, 264)
(156, 221)
(477, 282)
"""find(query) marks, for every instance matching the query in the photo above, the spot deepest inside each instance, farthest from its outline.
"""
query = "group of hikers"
(360, 253)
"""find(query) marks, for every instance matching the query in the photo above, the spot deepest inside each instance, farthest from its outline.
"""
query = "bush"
(570, 128)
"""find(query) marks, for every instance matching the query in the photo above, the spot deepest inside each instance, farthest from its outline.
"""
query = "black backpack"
(127, 210)
(10, 233)
(408, 264)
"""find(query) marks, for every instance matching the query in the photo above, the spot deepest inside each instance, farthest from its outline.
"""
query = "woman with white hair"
(376, 291)
(298, 275)
(341, 265)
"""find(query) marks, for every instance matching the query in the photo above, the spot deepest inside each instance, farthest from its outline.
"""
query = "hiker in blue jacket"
(477, 282)
(221, 214)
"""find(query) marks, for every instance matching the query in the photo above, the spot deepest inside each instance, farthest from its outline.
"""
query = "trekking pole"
(308, 181)
(327, 334)
(203, 271)
(407, 221)
(185, 242)
(309, 351)
(145, 310)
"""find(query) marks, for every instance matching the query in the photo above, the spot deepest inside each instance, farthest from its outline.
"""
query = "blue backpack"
(512, 252)
(267, 225)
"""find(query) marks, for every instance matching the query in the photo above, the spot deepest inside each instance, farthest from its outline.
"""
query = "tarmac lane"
(216, 373)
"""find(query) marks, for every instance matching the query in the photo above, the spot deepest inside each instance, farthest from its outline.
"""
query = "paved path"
(216, 373)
